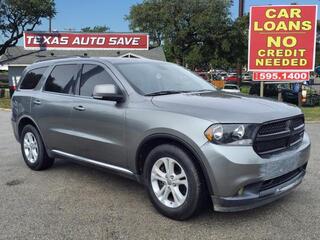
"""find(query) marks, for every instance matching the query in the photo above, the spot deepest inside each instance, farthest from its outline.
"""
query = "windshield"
(152, 77)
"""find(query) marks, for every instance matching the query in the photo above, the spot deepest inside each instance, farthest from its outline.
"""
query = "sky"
(72, 15)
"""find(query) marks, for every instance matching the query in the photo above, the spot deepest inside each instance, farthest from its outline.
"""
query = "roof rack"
(45, 58)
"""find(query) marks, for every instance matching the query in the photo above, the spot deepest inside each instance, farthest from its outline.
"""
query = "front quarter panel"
(143, 123)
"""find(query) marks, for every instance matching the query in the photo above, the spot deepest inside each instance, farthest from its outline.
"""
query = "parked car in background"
(269, 90)
(246, 76)
(232, 78)
(317, 71)
(204, 75)
(289, 93)
(161, 125)
(290, 96)
(231, 88)
(223, 75)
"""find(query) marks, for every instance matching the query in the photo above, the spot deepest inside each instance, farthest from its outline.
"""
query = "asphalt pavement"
(70, 201)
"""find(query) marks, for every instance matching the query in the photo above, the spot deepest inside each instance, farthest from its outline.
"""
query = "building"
(17, 58)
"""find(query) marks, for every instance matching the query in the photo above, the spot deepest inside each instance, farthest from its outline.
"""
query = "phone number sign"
(282, 39)
(281, 76)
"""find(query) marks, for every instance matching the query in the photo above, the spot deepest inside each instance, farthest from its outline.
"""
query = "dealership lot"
(70, 201)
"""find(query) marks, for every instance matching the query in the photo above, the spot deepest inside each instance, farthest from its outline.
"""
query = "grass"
(311, 113)
(245, 89)
(5, 103)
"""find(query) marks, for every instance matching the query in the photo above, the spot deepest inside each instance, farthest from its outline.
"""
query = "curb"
(5, 109)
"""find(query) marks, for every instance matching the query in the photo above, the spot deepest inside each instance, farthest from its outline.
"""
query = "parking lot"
(70, 201)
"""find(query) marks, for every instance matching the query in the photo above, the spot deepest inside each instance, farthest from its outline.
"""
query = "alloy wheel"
(30, 146)
(169, 182)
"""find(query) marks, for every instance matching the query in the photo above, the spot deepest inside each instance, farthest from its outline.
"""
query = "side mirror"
(107, 92)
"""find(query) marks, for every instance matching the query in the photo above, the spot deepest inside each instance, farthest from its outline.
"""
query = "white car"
(231, 88)
(247, 77)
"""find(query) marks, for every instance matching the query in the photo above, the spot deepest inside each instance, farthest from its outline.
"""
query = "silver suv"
(163, 126)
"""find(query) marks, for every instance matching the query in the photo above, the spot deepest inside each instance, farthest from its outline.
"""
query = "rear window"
(32, 78)
(62, 79)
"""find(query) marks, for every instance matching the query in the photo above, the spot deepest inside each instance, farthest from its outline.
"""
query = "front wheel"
(173, 182)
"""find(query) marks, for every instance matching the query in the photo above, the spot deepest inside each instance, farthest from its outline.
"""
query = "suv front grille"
(279, 135)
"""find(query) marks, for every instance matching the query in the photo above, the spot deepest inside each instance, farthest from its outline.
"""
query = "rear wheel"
(173, 182)
(33, 150)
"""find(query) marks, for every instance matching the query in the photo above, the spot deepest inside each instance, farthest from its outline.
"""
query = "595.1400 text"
(281, 76)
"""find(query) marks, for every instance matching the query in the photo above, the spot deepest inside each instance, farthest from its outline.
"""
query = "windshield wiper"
(167, 92)
(204, 90)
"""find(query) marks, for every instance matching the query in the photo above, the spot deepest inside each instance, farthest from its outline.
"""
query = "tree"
(318, 44)
(148, 17)
(98, 29)
(192, 32)
(238, 37)
(17, 16)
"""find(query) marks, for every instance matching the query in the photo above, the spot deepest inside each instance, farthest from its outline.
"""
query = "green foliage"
(95, 29)
(318, 55)
(318, 44)
(194, 33)
(311, 113)
(17, 16)
(5, 103)
(148, 17)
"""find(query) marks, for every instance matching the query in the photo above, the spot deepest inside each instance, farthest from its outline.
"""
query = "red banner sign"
(280, 76)
(92, 41)
(282, 38)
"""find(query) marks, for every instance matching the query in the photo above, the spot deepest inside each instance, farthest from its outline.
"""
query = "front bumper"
(252, 197)
(238, 175)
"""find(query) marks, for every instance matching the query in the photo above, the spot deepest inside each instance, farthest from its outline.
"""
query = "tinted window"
(32, 78)
(62, 79)
(93, 75)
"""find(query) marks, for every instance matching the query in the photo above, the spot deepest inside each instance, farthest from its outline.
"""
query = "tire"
(185, 194)
(33, 149)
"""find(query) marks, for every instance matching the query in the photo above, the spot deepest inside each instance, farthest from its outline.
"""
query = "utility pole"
(241, 7)
(241, 10)
(50, 18)
(50, 24)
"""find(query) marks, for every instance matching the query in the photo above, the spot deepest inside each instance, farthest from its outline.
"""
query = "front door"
(98, 125)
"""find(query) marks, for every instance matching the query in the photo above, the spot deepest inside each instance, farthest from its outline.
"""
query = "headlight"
(231, 134)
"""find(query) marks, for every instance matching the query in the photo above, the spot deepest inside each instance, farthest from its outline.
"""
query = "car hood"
(225, 107)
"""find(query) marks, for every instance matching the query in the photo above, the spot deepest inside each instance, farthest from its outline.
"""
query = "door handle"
(79, 108)
(37, 101)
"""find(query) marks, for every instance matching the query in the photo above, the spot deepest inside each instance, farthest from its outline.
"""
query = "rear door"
(52, 106)
(98, 125)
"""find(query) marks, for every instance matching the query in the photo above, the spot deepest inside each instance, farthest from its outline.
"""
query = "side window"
(91, 76)
(32, 78)
(62, 79)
